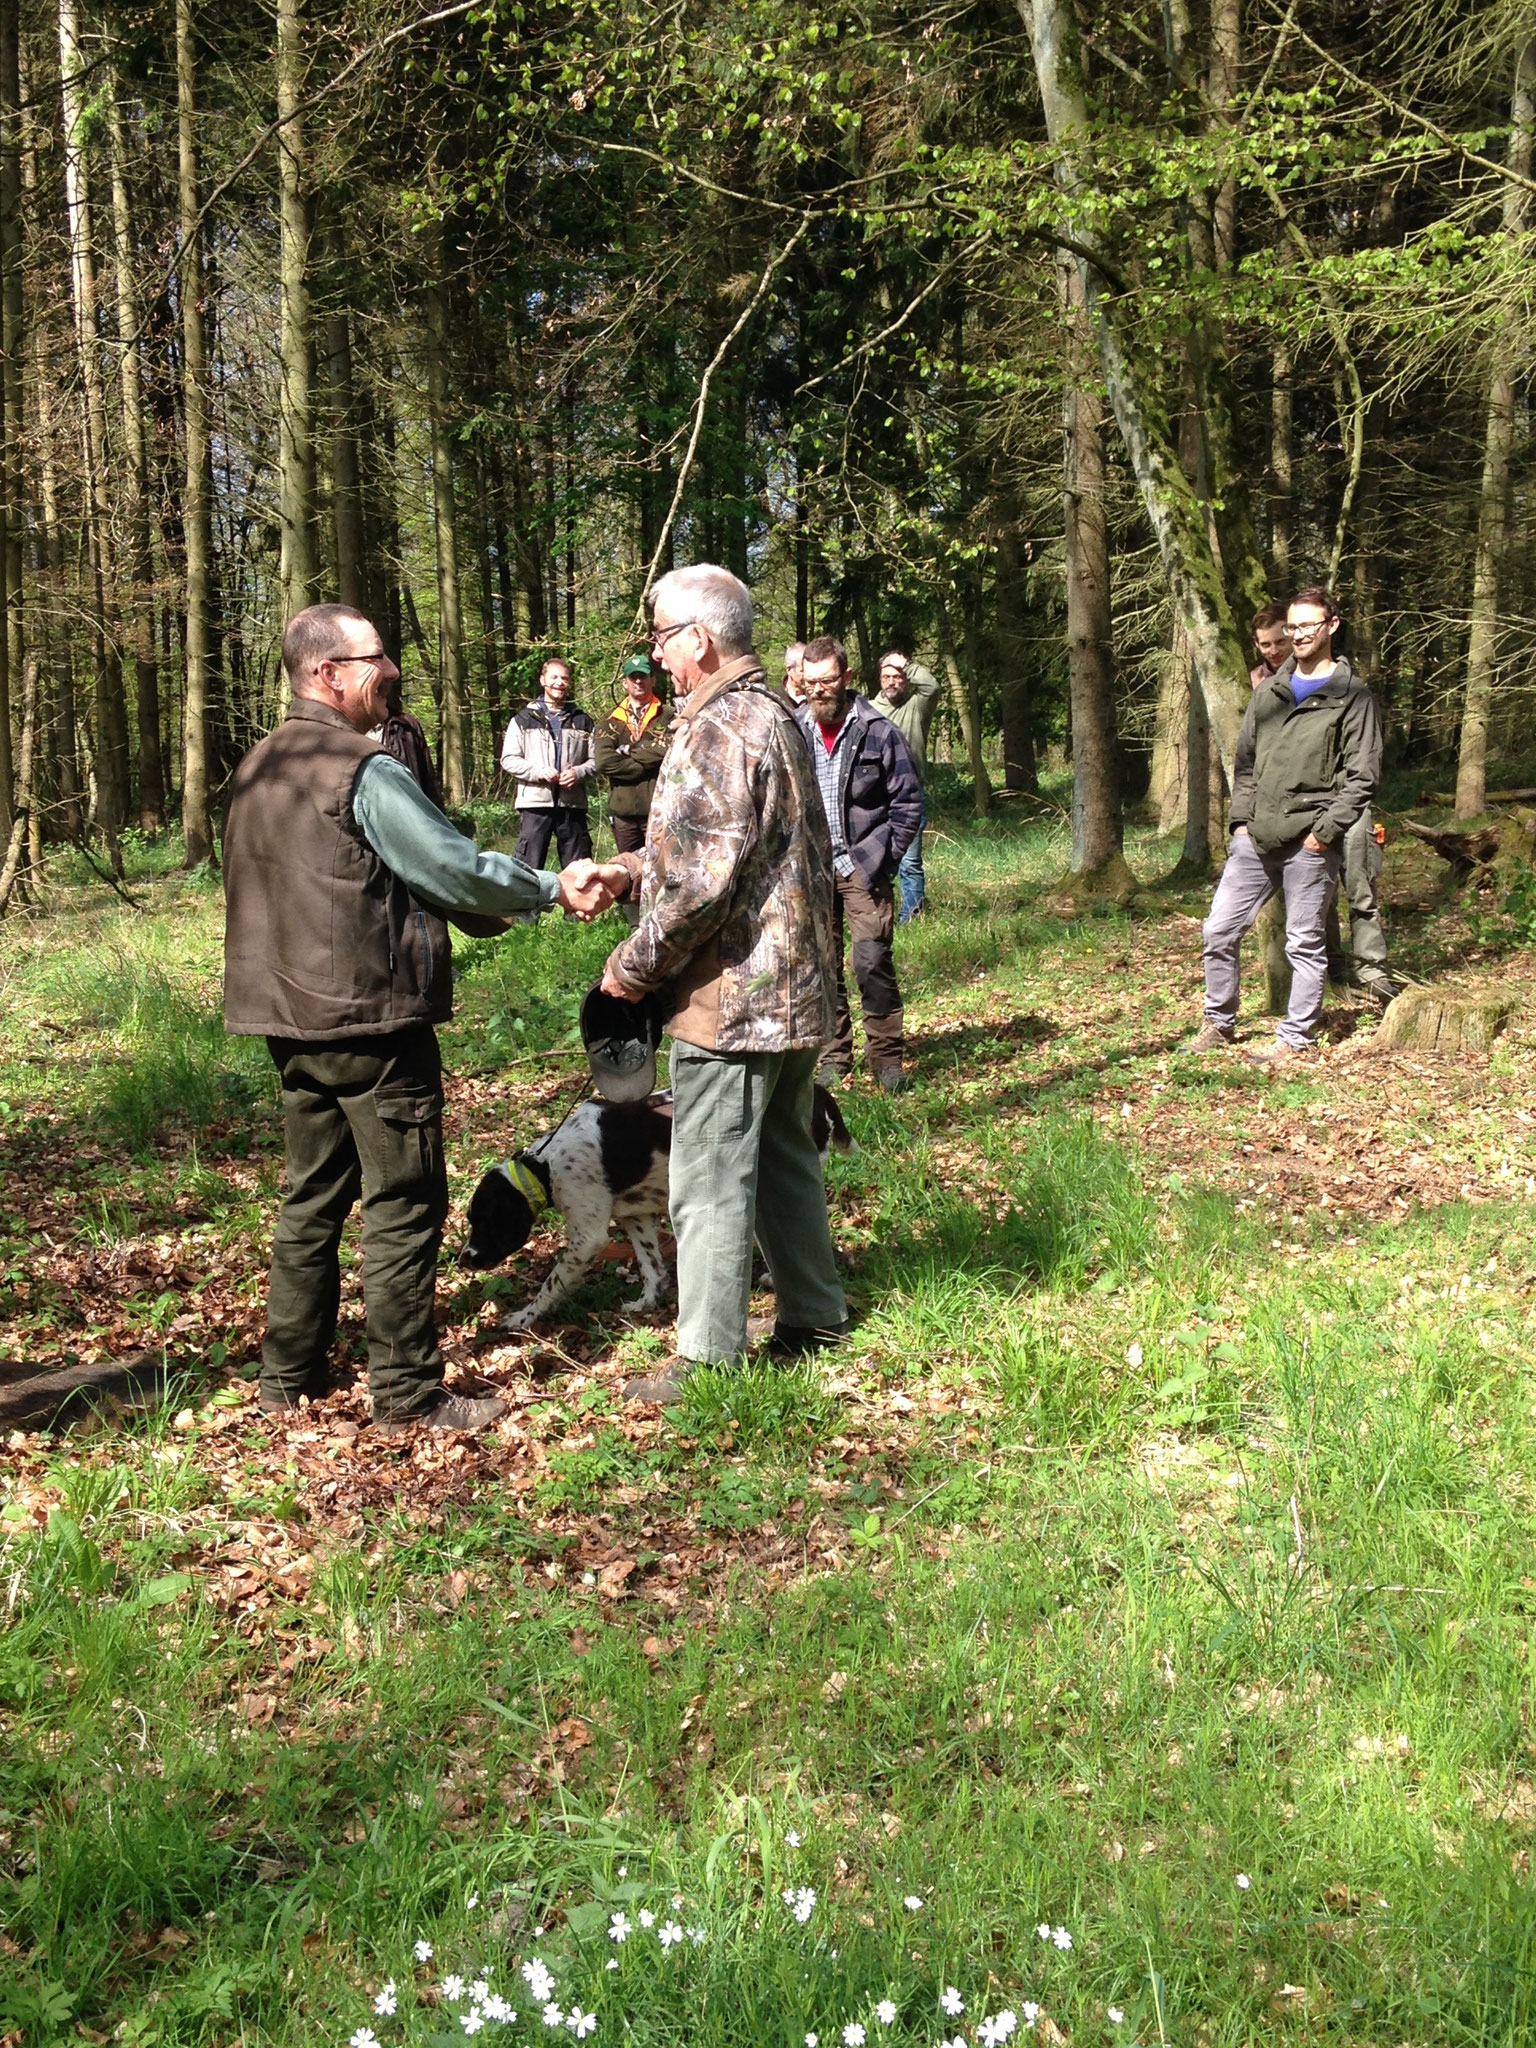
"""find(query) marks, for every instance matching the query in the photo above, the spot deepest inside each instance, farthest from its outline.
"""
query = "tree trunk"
(1280, 465)
(1493, 504)
(1098, 835)
(111, 758)
(197, 513)
(66, 760)
(136, 486)
(489, 658)
(505, 589)
(450, 625)
(1179, 522)
(12, 424)
(346, 467)
(1020, 769)
(968, 711)
(295, 412)
(16, 848)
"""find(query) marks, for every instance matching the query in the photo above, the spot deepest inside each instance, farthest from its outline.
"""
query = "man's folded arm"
(435, 861)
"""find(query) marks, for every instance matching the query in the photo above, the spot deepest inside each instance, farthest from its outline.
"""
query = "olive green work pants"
(361, 1117)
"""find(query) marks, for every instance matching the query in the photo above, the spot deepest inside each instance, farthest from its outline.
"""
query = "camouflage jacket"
(736, 881)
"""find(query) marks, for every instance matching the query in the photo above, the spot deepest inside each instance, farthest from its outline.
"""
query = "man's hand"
(612, 986)
(568, 778)
(615, 878)
(583, 892)
(1313, 844)
(1236, 829)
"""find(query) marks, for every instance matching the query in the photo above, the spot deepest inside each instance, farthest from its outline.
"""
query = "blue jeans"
(909, 875)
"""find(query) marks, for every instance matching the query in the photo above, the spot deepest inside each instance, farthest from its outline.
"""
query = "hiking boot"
(796, 1340)
(449, 1411)
(664, 1386)
(1275, 1057)
(891, 1080)
(1211, 1038)
(1379, 990)
(830, 1075)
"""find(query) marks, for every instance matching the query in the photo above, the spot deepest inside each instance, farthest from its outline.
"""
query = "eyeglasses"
(1307, 628)
(662, 634)
(340, 659)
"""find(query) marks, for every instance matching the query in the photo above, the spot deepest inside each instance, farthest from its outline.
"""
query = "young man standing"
(628, 748)
(1273, 643)
(1308, 760)
(548, 752)
(874, 806)
(909, 694)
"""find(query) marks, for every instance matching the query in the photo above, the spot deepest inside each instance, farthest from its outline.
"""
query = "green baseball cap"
(637, 665)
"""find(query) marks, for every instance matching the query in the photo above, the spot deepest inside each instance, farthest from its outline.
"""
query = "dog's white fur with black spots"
(607, 1163)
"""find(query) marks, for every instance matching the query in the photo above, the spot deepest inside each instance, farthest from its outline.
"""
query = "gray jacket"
(1307, 767)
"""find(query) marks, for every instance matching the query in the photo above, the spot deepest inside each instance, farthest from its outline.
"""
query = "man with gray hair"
(735, 890)
(794, 665)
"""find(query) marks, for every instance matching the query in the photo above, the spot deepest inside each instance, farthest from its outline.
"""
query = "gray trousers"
(1249, 879)
(1367, 940)
(743, 1162)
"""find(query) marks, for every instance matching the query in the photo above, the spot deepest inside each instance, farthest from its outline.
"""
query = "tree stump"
(1270, 930)
(1429, 1020)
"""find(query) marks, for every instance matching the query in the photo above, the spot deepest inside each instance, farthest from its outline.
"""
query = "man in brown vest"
(340, 873)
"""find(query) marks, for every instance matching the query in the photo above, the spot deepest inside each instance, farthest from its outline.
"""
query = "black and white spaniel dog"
(607, 1163)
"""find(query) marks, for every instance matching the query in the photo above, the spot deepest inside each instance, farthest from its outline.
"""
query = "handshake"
(589, 887)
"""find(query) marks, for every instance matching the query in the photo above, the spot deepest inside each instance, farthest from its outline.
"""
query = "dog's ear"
(500, 1221)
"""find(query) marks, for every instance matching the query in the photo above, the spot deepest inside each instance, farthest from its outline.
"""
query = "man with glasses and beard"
(340, 876)
(1308, 761)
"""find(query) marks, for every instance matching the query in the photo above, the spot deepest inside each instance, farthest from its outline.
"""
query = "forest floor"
(1128, 1633)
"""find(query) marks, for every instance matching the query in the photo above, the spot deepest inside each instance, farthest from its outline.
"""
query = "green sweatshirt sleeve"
(434, 860)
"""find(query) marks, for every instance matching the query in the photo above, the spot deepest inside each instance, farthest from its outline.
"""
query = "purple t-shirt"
(1303, 687)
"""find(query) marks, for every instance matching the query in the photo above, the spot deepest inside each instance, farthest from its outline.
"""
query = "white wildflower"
(453, 1987)
(670, 1934)
(647, 1917)
(497, 2008)
(471, 1902)
(696, 1936)
(385, 2002)
(885, 2012)
(951, 2002)
(553, 2016)
(537, 1976)
(803, 1904)
(1116, 2016)
(479, 1991)
(811, 2040)
(623, 1870)
(1031, 2012)
(582, 2023)
(677, 1902)
(619, 1928)
(365, 2037)
(1243, 1881)
(1044, 1930)
(853, 2035)
(472, 2021)
(1062, 1939)
(792, 1839)
(913, 1903)
(612, 1963)
(423, 1951)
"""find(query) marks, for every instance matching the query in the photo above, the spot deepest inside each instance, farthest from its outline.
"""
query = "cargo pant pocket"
(409, 1153)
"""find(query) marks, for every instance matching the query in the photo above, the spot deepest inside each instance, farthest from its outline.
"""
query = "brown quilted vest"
(321, 940)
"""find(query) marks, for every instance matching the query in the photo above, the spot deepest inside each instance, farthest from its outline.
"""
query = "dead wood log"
(1464, 850)
(1433, 1020)
(1494, 796)
(30, 1399)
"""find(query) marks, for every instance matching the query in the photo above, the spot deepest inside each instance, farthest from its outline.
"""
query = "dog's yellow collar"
(527, 1183)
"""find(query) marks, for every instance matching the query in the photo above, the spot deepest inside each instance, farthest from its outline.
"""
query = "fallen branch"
(1494, 796)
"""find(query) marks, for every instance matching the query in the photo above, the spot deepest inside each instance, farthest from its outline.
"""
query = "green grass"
(1144, 1538)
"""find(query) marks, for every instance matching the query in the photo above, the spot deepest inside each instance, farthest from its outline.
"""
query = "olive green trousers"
(361, 1117)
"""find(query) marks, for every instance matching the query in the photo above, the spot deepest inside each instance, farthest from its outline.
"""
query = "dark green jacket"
(632, 765)
(1308, 767)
